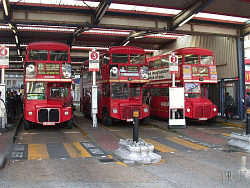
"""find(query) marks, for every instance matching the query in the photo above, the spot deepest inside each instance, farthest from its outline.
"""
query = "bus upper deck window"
(137, 58)
(120, 58)
(157, 64)
(38, 55)
(58, 55)
(165, 62)
(179, 59)
(207, 60)
(191, 59)
(151, 65)
(106, 59)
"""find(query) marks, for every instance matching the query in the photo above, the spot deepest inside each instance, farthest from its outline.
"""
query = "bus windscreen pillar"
(176, 108)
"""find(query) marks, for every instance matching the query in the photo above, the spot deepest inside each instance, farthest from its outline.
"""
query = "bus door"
(155, 101)
(164, 102)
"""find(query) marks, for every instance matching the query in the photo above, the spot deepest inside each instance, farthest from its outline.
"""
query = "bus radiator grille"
(127, 112)
(202, 111)
(48, 115)
(207, 111)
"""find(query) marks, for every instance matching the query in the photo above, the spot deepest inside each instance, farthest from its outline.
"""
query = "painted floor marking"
(186, 143)
(159, 146)
(37, 151)
(75, 150)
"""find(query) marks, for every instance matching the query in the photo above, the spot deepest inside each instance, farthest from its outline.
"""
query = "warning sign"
(173, 64)
(4, 57)
(93, 61)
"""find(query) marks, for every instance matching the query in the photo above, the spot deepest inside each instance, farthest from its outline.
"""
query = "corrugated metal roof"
(229, 7)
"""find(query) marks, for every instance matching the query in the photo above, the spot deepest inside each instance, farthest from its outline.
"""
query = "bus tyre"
(106, 119)
(69, 124)
(145, 121)
(26, 124)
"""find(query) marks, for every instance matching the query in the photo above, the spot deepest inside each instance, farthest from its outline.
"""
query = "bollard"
(135, 126)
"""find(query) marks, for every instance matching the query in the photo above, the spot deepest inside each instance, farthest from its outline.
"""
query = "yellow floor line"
(74, 152)
(84, 152)
(160, 147)
(37, 151)
(187, 143)
(229, 135)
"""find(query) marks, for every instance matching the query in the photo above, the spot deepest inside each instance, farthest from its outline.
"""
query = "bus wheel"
(69, 124)
(106, 119)
(145, 121)
(26, 124)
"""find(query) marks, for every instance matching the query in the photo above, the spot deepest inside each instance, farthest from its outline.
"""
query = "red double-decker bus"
(47, 80)
(196, 71)
(247, 74)
(123, 72)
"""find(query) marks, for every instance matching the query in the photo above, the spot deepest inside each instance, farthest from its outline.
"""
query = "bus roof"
(125, 49)
(194, 50)
(46, 45)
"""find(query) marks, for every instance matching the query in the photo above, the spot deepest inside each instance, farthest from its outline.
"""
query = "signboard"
(176, 97)
(173, 64)
(4, 57)
(93, 61)
(176, 108)
(159, 74)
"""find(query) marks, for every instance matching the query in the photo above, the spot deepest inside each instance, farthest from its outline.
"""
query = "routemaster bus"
(123, 72)
(247, 74)
(196, 72)
(47, 80)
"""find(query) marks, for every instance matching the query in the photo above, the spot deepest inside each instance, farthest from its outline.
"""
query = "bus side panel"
(163, 107)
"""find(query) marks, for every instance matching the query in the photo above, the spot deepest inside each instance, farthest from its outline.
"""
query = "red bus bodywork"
(123, 72)
(196, 71)
(47, 80)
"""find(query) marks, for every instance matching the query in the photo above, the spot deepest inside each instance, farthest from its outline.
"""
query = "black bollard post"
(135, 126)
(248, 122)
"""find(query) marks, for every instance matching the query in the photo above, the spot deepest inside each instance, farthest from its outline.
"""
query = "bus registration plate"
(130, 120)
(202, 119)
(49, 123)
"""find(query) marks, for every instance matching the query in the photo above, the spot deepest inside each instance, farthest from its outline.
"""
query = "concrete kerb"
(11, 140)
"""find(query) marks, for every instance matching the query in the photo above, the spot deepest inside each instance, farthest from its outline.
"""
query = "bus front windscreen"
(59, 92)
(192, 90)
(119, 90)
(35, 90)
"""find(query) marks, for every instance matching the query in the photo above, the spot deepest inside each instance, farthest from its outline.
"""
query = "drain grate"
(229, 151)
(106, 160)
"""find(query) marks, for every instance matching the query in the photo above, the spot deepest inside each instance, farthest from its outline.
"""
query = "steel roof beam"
(246, 29)
(101, 10)
(76, 33)
(7, 17)
(188, 13)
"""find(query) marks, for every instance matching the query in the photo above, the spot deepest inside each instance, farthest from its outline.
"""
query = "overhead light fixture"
(185, 21)
(126, 43)
(5, 8)
(16, 39)
(139, 37)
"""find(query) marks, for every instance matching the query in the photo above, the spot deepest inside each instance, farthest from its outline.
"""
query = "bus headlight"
(66, 113)
(214, 109)
(145, 110)
(188, 110)
(115, 111)
(30, 113)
